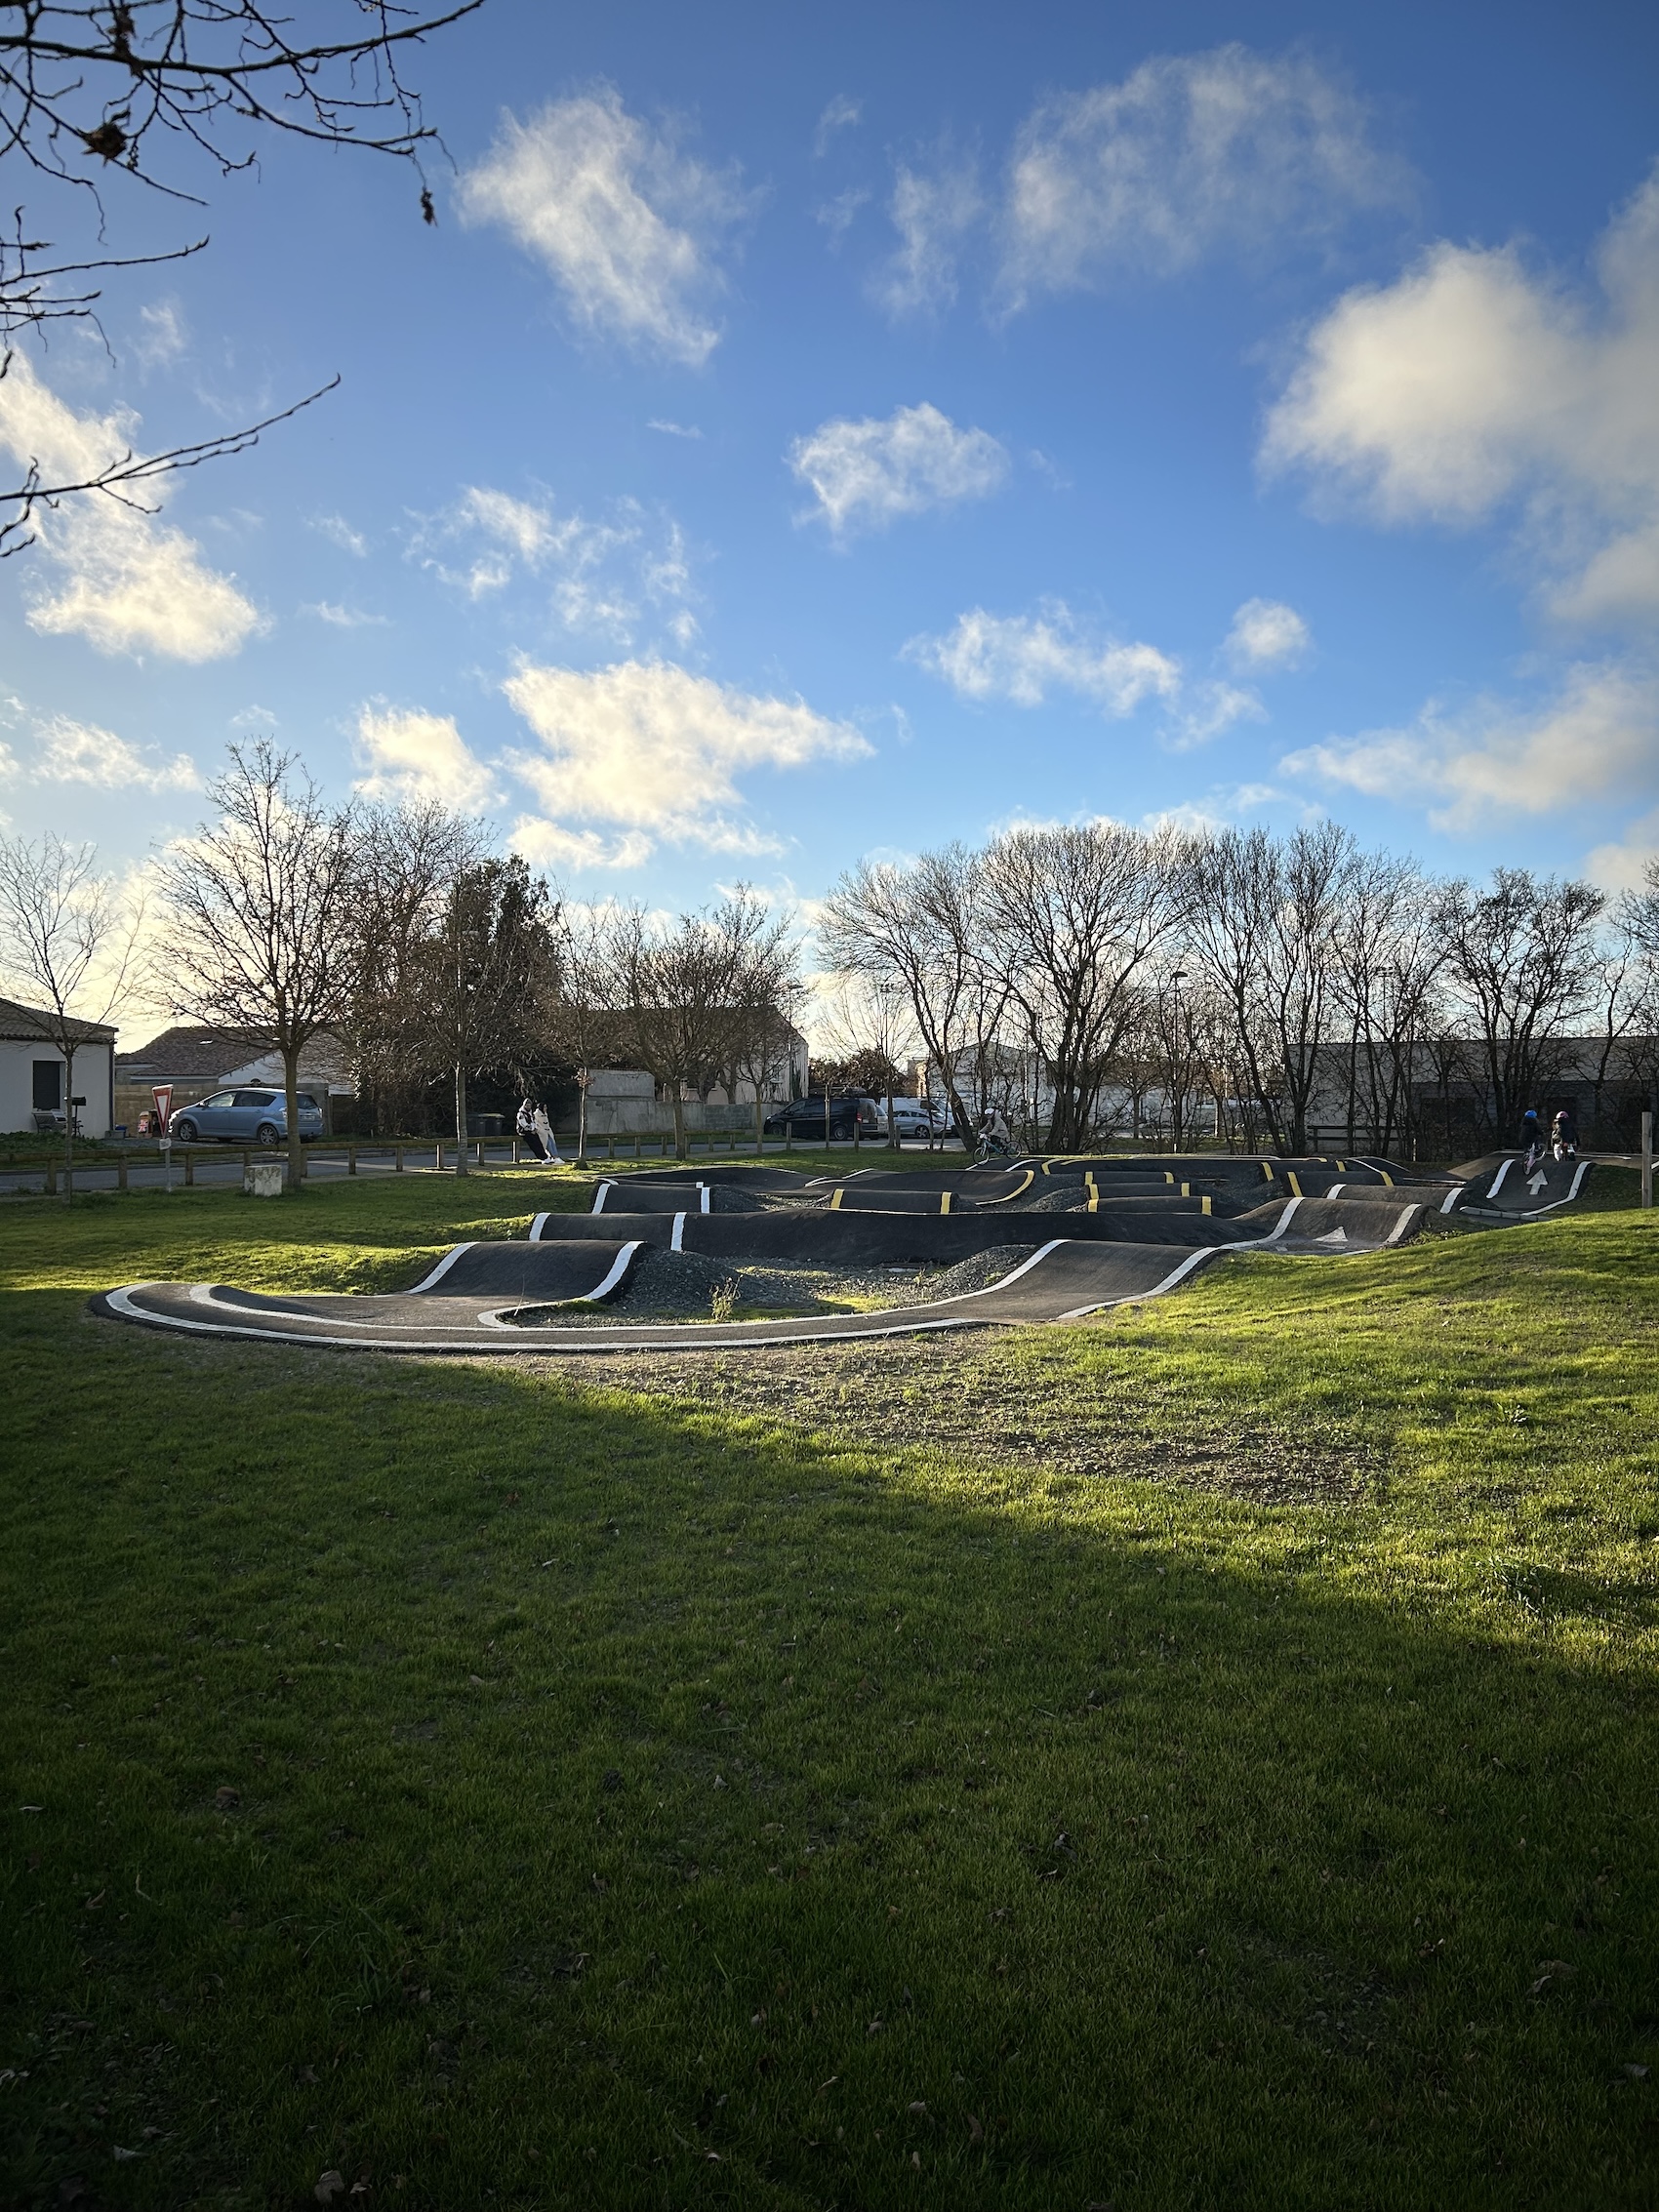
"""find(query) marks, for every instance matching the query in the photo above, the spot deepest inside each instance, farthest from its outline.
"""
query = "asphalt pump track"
(1101, 1231)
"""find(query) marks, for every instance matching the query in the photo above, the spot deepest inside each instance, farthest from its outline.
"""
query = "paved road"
(218, 1167)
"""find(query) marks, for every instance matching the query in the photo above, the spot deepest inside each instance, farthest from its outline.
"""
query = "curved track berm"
(1127, 1228)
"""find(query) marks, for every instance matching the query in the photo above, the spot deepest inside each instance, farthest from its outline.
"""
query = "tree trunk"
(68, 1123)
(461, 1120)
(581, 1126)
(291, 1109)
(680, 1151)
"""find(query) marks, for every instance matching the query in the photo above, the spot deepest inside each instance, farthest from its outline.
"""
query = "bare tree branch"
(16, 532)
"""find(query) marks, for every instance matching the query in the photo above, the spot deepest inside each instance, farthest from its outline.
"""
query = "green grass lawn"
(502, 1789)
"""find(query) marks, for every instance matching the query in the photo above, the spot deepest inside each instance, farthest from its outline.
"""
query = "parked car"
(245, 1117)
(912, 1118)
(805, 1118)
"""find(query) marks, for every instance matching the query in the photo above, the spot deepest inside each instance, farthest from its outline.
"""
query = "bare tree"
(864, 1024)
(581, 1015)
(761, 985)
(1262, 918)
(485, 972)
(1522, 961)
(259, 905)
(405, 861)
(1074, 916)
(919, 928)
(91, 89)
(1389, 944)
(67, 936)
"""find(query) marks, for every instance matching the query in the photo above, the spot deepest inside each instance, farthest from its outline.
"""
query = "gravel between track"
(682, 1286)
(1004, 1400)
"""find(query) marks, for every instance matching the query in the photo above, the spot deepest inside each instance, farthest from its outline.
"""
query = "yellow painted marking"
(1267, 1171)
(1016, 1192)
(945, 1201)
(1387, 1178)
(1206, 1205)
(1167, 1177)
(835, 1196)
(1093, 1206)
(1295, 1186)
(1186, 1190)
(1342, 1167)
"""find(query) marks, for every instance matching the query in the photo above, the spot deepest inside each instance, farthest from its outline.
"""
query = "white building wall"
(17, 1056)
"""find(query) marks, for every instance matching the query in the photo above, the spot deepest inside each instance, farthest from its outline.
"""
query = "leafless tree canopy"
(259, 911)
(68, 936)
(1120, 979)
(705, 1002)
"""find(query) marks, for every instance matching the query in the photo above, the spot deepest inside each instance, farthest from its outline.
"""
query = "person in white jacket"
(549, 1143)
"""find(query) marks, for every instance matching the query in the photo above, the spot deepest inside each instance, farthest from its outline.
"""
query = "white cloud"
(526, 530)
(1266, 633)
(1190, 153)
(868, 473)
(346, 617)
(1474, 383)
(1597, 738)
(1216, 809)
(1207, 711)
(415, 755)
(1022, 659)
(627, 226)
(1622, 865)
(840, 115)
(673, 429)
(128, 582)
(80, 752)
(550, 844)
(652, 751)
(933, 216)
(162, 333)
(836, 214)
(603, 575)
(339, 532)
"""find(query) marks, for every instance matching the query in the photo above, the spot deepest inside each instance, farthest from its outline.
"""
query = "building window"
(48, 1086)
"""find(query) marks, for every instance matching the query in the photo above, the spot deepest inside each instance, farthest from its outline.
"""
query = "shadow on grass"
(486, 1787)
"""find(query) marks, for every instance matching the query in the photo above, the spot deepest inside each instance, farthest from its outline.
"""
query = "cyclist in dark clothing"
(1531, 1138)
(1563, 1134)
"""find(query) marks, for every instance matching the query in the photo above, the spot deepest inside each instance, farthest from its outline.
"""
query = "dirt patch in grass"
(986, 1398)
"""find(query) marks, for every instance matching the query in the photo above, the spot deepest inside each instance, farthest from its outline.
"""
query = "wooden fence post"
(189, 1167)
(397, 1159)
(1648, 1159)
(351, 1160)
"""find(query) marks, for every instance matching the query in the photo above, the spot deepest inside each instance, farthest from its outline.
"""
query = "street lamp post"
(1177, 1068)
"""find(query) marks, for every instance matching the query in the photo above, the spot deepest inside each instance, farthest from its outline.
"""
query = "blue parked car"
(246, 1117)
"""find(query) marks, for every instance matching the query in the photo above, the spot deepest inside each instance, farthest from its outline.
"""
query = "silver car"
(257, 1116)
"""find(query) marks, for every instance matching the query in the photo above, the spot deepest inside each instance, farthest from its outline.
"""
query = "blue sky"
(809, 435)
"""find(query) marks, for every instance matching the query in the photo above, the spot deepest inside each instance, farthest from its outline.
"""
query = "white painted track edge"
(443, 1266)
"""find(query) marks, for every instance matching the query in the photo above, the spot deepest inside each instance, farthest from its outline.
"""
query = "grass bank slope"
(948, 1777)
